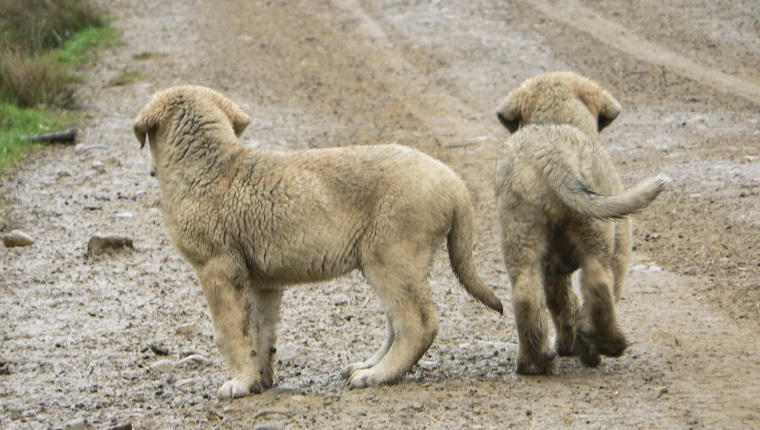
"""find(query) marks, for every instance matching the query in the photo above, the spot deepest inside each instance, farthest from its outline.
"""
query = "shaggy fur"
(562, 207)
(253, 221)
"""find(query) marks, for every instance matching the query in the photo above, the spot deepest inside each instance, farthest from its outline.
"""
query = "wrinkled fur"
(562, 207)
(253, 221)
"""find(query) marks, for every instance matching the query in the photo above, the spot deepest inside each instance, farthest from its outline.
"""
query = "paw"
(586, 353)
(372, 377)
(541, 365)
(353, 367)
(233, 389)
(609, 343)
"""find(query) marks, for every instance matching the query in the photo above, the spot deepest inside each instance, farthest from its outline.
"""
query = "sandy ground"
(125, 338)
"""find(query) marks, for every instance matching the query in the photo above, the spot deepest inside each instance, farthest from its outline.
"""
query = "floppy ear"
(603, 105)
(237, 116)
(509, 112)
(239, 119)
(609, 109)
(146, 120)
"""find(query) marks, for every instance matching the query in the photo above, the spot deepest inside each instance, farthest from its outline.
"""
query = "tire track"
(572, 13)
(437, 108)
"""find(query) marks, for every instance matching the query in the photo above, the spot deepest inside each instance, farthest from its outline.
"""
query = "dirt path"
(77, 332)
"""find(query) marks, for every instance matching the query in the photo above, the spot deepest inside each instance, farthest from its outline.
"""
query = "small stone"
(194, 360)
(77, 424)
(428, 365)
(17, 238)
(99, 167)
(127, 426)
(182, 382)
(113, 161)
(161, 365)
(82, 148)
(529, 412)
(101, 243)
(159, 349)
(125, 215)
(270, 426)
(189, 329)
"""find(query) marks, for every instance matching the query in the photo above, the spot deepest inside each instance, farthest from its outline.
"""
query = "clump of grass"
(28, 81)
(41, 44)
(17, 123)
(39, 40)
(145, 55)
(34, 26)
(126, 77)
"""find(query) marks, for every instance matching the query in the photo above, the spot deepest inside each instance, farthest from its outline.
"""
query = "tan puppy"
(562, 207)
(252, 221)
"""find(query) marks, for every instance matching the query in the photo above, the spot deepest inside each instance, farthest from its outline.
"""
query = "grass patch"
(126, 77)
(79, 49)
(34, 26)
(146, 55)
(42, 43)
(17, 123)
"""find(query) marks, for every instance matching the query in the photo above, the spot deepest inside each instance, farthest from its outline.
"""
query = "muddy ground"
(83, 339)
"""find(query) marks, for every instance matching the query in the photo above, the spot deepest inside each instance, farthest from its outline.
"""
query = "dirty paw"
(362, 378)
(233, 389)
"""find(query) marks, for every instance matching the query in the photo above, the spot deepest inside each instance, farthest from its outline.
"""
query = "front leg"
(264, 316)
(228, 299)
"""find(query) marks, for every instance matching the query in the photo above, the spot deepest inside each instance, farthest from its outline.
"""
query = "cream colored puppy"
(253, 221)
(561, 208)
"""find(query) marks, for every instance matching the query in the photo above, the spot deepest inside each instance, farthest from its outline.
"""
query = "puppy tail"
(579, 197)
(462, 261)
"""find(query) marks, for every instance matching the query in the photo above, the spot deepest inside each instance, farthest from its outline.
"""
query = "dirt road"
(126, 338)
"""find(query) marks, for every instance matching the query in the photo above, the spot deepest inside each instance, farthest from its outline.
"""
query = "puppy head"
(161, 114)
(559, 98)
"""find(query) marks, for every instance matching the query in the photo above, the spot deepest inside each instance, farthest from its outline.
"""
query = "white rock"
(162, 365)
(77, 424)
(17, 238)
(193, 360)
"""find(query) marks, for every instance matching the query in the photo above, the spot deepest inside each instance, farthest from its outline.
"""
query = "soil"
(124, 338)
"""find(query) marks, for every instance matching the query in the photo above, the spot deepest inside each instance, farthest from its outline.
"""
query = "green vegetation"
(42, 42)
(126, 77)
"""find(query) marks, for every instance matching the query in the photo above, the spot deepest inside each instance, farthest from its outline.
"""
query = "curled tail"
(578, 196)
(462, 261)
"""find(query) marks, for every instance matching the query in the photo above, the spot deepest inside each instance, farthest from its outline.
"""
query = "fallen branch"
(67, 136)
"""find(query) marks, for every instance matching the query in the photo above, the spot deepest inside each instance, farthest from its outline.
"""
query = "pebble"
(99, 167)
(82, 147)
(101, 243)
(17, 238)
(77, 424)
(182, 382)
(648, 268)
(158, 349)
(193, 360)
(189, 329)
(161, 365)
(428, 365)
(124, 215)
(270, 426)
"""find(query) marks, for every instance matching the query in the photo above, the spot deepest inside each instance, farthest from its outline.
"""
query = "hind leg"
(523, 249)
(564, 307)
(598, 331)
(366, 364)
(400, 279)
